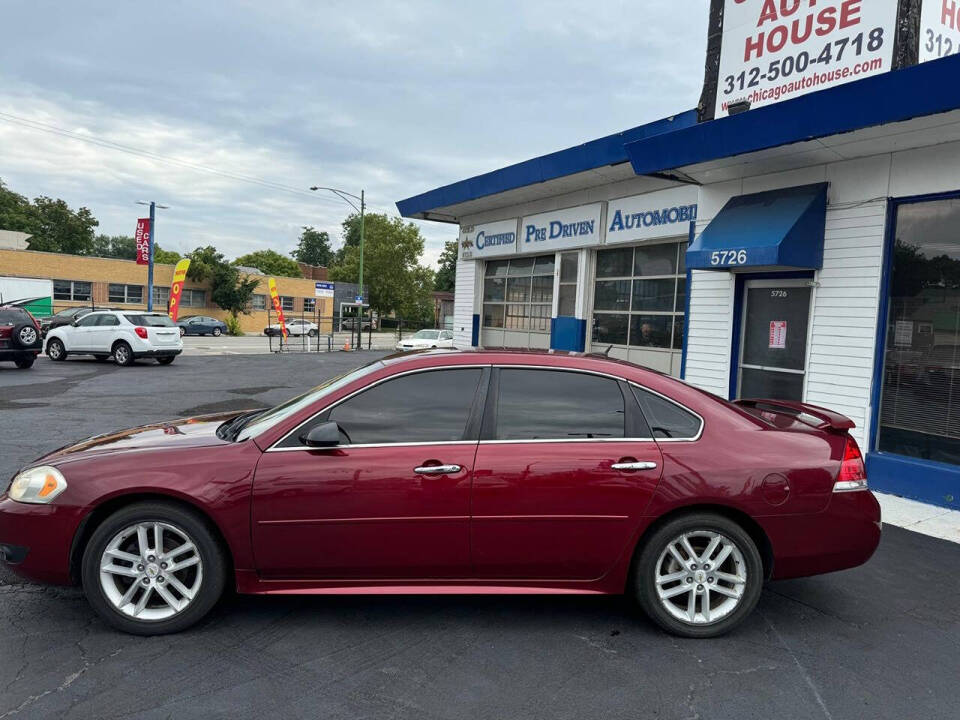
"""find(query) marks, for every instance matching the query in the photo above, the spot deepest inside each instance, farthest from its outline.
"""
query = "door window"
(558, 405)
(774, 355)
(107, 321)
(425, 407)
(667, 420)
(89, 321)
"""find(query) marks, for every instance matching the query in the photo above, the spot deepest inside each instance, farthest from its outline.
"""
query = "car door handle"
(437, 469)
(634, 466)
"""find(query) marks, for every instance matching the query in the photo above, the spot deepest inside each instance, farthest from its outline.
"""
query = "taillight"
(853, 473)
(141, 332)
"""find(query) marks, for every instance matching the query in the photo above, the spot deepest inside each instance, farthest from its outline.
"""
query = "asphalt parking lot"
(880, 641)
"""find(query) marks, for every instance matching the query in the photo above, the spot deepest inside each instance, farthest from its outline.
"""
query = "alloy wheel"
(701, 577)
(28, 336)
(151, 571)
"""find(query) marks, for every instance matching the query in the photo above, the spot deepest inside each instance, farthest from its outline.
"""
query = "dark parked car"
(19, 336)
(64, 317)
(201, 325)
(453, 472)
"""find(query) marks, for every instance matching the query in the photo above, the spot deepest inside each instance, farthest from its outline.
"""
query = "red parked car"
(20, 340)
(453, 472)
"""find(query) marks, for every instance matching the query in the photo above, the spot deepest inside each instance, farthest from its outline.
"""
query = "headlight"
(39, 485)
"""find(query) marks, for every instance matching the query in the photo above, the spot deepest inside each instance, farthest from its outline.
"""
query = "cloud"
(392, 97)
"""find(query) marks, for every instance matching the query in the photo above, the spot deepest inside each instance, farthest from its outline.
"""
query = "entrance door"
(773, 353)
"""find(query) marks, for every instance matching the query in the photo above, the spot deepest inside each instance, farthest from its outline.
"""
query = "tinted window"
(666, 419)
(424, 407)
(12, 316)
(558, 405)
(88, 320)
(151, 320)
(107, 320)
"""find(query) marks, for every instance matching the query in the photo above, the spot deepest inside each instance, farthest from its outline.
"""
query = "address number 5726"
(728, 257)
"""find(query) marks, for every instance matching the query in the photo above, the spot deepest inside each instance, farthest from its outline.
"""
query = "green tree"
(16, 212)
(57, 228)
(313, 248)
(123, 247)
(165, 257)
(446, 277)
(391, 269)
(270, 262)
(230, 290)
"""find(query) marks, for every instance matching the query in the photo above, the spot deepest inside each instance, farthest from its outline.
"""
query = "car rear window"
(12, 316)
(150, 320)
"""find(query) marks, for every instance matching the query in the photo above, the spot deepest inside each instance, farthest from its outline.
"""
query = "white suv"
(127, 335)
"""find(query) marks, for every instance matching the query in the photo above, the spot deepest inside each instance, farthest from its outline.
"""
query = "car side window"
(558, 405)
(425, 407)
(667, 420)
(88, 320)
(107, 321)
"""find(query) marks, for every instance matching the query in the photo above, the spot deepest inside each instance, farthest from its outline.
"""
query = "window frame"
(683, 407)
(529, 303)
(472, 427)
(73, 290)
(126, 294)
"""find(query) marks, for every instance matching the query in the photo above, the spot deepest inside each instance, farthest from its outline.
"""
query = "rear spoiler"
(812, 415)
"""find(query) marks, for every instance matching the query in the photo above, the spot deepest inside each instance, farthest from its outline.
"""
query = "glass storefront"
(640, 296)
(920, 400)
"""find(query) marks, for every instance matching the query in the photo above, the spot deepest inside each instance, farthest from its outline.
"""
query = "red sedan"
(453, 472)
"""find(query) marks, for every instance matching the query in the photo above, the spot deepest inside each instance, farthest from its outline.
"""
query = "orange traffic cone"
(346, 346)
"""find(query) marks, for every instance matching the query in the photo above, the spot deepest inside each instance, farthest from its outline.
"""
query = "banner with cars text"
(775, 50)
(143, 241)
(277, 306)
(176, 288)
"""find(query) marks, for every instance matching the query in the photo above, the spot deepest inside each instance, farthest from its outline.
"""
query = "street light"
(153, 240)
(345, 196)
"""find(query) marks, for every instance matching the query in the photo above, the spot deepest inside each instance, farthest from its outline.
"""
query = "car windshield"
(263, 422)
(427, 335)
(150, 320)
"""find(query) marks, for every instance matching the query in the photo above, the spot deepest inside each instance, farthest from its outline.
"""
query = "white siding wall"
(709, 330)
(463, 302)
(845, 307)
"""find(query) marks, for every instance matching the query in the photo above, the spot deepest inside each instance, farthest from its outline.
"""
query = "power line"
(149, 155)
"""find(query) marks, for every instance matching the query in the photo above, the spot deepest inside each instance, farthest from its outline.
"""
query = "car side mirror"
(74, 323)
(325, 435)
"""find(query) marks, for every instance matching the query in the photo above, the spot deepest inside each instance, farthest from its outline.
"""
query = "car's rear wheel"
(313, 333)
(165, 360)
(217, 332)
(153, 568)
(55, 350)
(25, 363)
(123, 354)
(182, 332)
(699, 575)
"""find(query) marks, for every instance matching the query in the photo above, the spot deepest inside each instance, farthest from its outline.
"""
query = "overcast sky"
(394, 97)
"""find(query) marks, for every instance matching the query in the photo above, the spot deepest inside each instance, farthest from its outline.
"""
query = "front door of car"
(565, 468)
(80, 337)
(392, 501)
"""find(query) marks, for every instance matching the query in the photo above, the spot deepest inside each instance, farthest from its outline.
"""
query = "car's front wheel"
(55, 349)
(153, 568)
(699, 575)
(217, 332)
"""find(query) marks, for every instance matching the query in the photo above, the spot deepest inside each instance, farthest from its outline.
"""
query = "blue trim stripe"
(925, 89)
(924, 480)
(607, 150)
(568, 333)
(475, 336)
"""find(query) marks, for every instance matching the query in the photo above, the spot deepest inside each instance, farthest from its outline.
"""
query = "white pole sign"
(777, 50)
(939, 29)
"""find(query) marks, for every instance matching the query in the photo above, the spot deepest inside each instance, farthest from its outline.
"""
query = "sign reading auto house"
(774, 50)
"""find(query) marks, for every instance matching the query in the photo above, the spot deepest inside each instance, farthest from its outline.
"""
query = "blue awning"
(778, 228)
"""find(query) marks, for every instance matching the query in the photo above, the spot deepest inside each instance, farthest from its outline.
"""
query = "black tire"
(199, 531)
(101, 358)
(644, 585)
(182, 332)
(25, 363)
(217, 332)
(55, 350)
(166, 360)
(123, 354)
(25, 336)
(313, 333)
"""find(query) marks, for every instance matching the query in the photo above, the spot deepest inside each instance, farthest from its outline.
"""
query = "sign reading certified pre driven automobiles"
(777, 50)
(490, 240)
(561, 229)
(661, 214)
(939, 29)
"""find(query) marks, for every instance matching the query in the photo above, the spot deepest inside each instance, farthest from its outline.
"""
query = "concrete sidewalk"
(919, 517)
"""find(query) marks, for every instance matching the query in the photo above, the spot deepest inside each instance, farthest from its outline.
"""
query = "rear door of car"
(102, 335)
(392, 501)
(565, 468)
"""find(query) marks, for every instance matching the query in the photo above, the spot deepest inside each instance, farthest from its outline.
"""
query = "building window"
(193, 298)
(160, 296)
(259, 302)
(286, 303)
(309, 304)
(518, 293)
(920, 402)
(640, 296)
(127, 294)
(71, 290)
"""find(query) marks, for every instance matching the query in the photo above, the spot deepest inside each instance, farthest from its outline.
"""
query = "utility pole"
(153, 240)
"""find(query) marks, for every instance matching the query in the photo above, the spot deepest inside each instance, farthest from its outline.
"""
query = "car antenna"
(606, 353)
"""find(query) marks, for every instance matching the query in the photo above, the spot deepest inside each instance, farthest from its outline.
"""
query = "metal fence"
(313, 332)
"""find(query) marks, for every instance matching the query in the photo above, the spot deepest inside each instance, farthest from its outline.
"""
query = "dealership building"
(794, 238)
